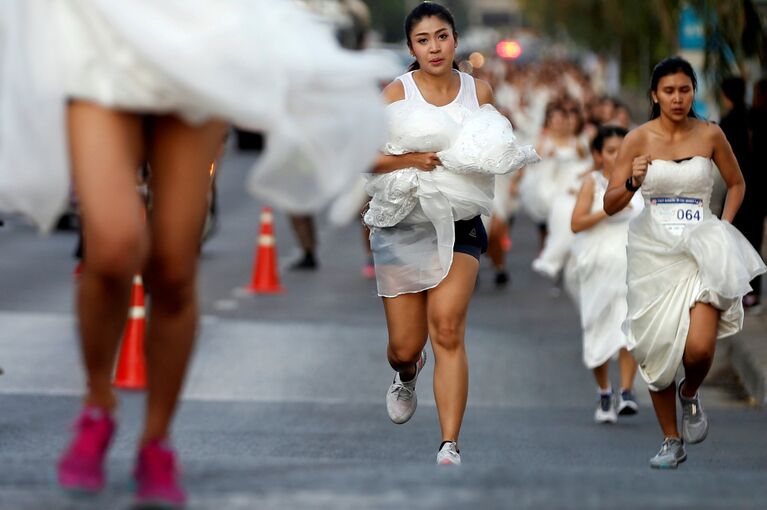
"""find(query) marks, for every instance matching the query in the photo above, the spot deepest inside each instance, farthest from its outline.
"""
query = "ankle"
(105, 403)
(408, 374)
(683, 393)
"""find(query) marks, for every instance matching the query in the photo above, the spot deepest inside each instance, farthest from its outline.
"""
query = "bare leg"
(628, 368)
(180, 156)
(406, 322)
(303, 227)
(495, 243)
(106, 149)
(700, 347)
(601, 375)
(664, 402)
(448, 306)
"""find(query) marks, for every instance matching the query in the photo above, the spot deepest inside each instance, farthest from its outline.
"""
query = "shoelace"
(402, 392)
(692, 405)
(666, 445)
(85, 428)
(449, 450)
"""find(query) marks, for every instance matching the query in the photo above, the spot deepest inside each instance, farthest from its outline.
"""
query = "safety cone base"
(260, 289)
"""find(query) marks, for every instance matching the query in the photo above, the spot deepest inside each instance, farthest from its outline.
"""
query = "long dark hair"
(425, 10)
(604, 133)
(665, 67)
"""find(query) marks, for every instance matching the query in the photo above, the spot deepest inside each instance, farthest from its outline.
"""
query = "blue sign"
(692, 34)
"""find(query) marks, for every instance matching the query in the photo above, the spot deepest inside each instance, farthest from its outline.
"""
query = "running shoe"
(401, 399)
(694, 419)
(81, 468)
(627, 404)
(671, 454)
(449, 454)
(157, 478)
(605, 412)
(305, 263)
(501, 278)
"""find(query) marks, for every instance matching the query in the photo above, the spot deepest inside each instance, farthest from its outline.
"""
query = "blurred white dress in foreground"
(264, 65)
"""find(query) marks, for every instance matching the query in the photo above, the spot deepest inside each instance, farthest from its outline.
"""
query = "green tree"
(640, 33)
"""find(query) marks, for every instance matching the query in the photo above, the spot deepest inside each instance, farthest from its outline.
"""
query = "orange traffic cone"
(265, 279)
(131, 368)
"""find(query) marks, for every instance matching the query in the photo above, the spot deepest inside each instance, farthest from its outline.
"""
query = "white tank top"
(467, 93)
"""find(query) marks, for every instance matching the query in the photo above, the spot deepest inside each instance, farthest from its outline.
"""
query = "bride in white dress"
(687, 269)
(598, 260)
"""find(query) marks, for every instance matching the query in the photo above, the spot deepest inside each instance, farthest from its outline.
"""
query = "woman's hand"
(425, 161)
(639, 169)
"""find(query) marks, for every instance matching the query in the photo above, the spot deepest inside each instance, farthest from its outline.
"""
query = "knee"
(699, 352)
(115, 255)
(403, 355)
(447, 333)
(171, 280)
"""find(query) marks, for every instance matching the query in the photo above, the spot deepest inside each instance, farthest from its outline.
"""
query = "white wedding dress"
(680, 254)
(598, 256)
(411, 214)
(264, 65)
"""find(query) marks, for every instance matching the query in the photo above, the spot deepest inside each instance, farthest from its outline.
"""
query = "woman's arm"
(631, 164)
(421, 160)
(583, 218)
(728, 167)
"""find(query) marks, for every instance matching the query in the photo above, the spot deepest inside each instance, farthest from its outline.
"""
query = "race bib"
(675, 213)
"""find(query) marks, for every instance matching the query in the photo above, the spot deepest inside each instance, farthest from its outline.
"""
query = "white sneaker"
(401, 399)
(448, 454)
(605, 412)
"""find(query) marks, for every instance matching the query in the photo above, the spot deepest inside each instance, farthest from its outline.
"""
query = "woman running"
(133, 92)
(687, 270)
(434, 181)
(599, 258)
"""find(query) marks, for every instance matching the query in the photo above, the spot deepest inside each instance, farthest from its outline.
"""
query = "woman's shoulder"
(484, 90)
(707, 131)
(639, 137)
(394, 91)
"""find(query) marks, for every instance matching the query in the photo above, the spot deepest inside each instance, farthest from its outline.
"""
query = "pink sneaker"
(156, 476)
(81, 468)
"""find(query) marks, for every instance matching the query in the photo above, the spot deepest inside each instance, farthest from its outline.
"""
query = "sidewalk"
(749, 357)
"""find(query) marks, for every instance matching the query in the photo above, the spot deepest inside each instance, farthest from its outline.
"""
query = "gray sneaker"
(401, 399)
(694, 419)
(671, 454)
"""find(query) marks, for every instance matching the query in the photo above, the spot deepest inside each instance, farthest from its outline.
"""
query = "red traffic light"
(509, 49)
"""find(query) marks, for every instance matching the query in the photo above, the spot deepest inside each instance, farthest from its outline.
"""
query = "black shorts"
(470, 237)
